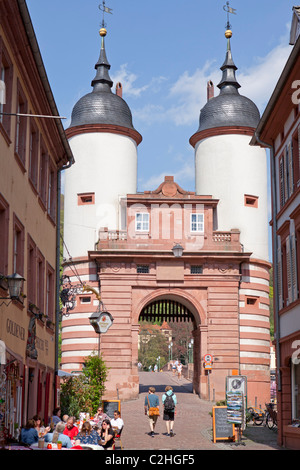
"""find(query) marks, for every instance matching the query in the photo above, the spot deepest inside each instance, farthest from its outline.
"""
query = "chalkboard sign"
(222, 430)
(109, 406)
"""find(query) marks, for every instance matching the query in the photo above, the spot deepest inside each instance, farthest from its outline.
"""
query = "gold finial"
(228, 33)
(102, 32)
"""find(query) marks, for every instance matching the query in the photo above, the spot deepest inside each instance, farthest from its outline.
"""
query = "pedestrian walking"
(179, 371)
(169, 401)
(151, 401)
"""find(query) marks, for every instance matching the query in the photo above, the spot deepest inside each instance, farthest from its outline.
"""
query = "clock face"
(236, 384)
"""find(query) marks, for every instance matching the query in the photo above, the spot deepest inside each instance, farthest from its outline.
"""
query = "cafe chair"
(118, 436)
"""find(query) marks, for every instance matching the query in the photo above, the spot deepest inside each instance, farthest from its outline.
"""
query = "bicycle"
(256, 414)
(271, 416)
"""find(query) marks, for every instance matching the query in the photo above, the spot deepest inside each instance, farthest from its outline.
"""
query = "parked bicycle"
(271, 416)
(257, 415)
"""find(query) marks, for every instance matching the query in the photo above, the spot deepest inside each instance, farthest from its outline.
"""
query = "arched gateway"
(217, 284)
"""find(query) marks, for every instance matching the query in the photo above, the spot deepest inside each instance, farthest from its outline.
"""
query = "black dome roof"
(101, 106)
(229, 108)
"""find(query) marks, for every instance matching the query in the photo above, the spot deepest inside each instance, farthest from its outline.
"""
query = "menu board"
(222, 430)
(109, 406)
(235, 409)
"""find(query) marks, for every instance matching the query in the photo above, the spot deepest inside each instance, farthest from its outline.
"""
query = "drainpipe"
(275, 258)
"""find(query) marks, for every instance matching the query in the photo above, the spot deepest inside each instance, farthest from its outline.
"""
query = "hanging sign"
(105, 321)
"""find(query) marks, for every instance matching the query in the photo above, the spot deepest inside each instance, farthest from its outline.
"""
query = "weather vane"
(229, 10)
(104, 9)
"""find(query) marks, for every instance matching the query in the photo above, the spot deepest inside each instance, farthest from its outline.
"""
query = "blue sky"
(163, 53)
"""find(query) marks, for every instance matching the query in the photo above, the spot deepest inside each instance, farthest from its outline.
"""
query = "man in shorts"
(151, 400)
(169, 402)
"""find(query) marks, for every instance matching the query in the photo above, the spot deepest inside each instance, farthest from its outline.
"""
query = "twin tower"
(104, 143)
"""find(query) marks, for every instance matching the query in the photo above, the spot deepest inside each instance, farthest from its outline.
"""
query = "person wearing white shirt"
(117, 423)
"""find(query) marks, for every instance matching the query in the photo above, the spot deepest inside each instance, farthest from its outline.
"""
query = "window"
(31, 271)
(18, 246)
(142, 269)
(43, 175)
(250, 201)
(197, 222)
(251, 302)
(196, 269)
(295, 391)
(50, 292)
(52, 193)
(286, 175)
(21, 125)
(6, 77)
(85, 300)
(4, 233)
(142, 222)
(40, 295)
(33, 154)
(86, 198)
(296, 158)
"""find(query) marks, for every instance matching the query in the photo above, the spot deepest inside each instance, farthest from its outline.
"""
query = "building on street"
(33, 151)
(278, 130)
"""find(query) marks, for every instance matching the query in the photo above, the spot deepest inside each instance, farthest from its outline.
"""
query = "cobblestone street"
(193, 423)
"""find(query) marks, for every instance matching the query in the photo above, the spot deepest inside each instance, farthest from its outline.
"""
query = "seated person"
(107, 435)
(87, 435)
(29, 434)
(71, 430)
(117, 423)
(59, 436)
(100, 416)
(55, 418)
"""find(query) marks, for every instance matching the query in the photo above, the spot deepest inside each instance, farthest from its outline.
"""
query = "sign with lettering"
(222, 430)
(109, 406)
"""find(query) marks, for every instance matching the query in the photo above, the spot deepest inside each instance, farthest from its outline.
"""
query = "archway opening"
(166, 337)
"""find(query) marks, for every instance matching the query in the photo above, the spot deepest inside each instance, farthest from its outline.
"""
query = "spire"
(102, 79)
(228, 83)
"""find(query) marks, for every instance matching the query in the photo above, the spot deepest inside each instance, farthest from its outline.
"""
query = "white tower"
(235, 173)
(228, 168)
(104, 144)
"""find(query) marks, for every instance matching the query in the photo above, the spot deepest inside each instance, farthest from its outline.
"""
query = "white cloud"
(259, 81)
(128, 80)
(188, 94)
(184, 176)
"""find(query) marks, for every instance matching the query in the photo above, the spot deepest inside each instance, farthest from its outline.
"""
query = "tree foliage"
(83, 393)
(155, 345)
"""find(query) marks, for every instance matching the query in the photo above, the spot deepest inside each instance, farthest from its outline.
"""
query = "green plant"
(83, 393)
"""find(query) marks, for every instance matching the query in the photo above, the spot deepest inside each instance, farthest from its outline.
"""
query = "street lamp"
(177, 250)
(14, 283)
(191, 355)
(170, 351)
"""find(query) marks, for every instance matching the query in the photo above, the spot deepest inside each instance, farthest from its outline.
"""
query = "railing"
(221, 237)
(229, 240)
